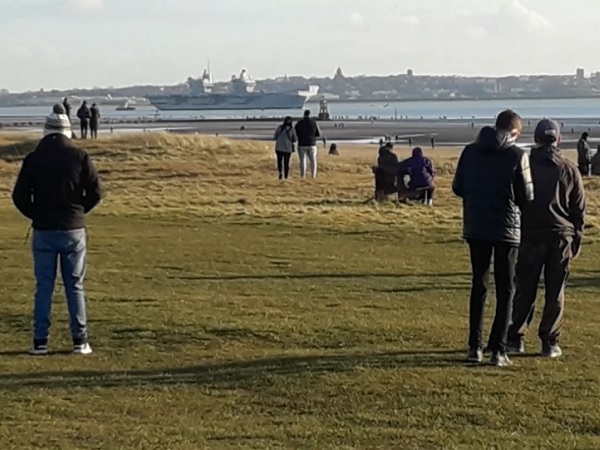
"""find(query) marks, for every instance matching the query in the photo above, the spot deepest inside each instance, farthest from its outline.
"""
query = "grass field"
(229, 310)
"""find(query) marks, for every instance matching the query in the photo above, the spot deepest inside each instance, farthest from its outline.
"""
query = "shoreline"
(414, 133)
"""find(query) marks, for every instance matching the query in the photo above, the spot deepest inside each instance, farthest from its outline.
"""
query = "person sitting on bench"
(385, 172)
(420, 174)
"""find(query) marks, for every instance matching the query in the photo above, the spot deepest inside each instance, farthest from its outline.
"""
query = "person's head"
(84, 103)
(417, 152)
(585, 135)
(66, 99)
(547, 132)
(287, 121)
(307, 113)
(58, 122)
(509, 122)
(93, 105)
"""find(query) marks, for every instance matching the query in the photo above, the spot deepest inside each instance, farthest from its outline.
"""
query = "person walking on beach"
(494, 180)
(94, 121)
(584, 155)
(308, 132)
(285, 145)
(67, 107)
(553, 227)
(57, 185)
(83, 113)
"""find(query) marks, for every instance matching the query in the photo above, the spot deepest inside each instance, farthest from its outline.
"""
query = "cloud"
(357, 19)
(408, 20)
(512, 18)
(527, 17)
(87, 5)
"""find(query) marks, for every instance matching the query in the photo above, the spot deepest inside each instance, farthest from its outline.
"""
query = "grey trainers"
(475, 355)
(551, 351)
(517, 347)
(500, 360)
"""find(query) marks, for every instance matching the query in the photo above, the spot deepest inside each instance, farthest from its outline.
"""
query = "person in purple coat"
(420, 173)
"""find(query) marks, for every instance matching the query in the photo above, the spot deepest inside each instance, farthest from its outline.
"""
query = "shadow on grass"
(237, 374)
(316, 276)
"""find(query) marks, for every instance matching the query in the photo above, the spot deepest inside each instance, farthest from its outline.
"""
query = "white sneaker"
(83, 349)
(551, 351)
(500, 360)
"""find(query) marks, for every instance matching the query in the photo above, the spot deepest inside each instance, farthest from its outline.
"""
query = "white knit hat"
(58, 122)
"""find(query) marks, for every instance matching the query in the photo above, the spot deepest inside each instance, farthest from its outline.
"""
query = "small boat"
(125, 107)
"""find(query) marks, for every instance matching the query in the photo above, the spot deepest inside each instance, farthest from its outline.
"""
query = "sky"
(86, 43)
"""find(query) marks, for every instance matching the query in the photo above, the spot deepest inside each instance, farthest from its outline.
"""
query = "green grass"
(228, 312)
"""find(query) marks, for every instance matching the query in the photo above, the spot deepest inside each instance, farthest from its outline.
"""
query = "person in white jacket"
(285, 145)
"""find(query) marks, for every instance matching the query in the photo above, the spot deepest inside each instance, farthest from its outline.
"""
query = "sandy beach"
(453, 133)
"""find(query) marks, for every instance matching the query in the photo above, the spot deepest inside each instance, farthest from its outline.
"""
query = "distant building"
(410, 73)
(4, 92)
(580, 74)
(339, 75)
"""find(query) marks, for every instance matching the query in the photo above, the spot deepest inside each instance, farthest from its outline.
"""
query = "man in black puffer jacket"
(494, 180)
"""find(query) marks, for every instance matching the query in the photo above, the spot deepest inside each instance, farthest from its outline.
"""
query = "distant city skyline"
(62, 44)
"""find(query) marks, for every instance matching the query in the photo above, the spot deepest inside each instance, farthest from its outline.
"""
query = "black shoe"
(40, 347)
(475, 356)
(516, 347)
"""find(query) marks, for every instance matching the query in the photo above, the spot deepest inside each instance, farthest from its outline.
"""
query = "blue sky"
(85, 43)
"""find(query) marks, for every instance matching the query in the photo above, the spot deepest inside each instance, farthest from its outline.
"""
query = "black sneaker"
(517, 347)
(40, 347)
(475, 355)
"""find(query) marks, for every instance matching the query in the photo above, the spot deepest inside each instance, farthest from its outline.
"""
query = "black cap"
(547, 131)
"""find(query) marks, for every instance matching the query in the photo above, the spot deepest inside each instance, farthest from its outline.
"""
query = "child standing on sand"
(285, 145)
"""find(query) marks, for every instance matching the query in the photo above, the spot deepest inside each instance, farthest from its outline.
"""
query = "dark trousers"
(94, 130)
(553, 257)
(283, 164)
(505, 258)
(585, 169)
(385, 183)
(84, 129)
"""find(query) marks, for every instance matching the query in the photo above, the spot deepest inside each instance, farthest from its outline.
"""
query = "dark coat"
(308, 132)
(57, 185)
(559, 206)
(493, 178)
(419, 168)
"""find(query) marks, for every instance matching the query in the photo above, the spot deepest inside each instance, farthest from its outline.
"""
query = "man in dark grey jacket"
(584, 154)
(552, 233)
(494, 180)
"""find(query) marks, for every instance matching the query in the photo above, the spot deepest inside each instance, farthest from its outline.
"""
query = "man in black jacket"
(308, 132)
(552, 233)
(56, 187)
(584, 155)
(494, 180)
(84, 119)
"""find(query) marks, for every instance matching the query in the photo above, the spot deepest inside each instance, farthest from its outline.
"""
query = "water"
(567, 109)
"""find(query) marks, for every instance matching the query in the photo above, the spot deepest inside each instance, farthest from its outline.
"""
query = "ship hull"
(228, 102)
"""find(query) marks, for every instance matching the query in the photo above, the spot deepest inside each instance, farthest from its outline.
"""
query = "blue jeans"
(70, 248)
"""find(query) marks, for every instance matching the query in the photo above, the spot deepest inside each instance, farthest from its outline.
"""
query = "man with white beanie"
(56, 187)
